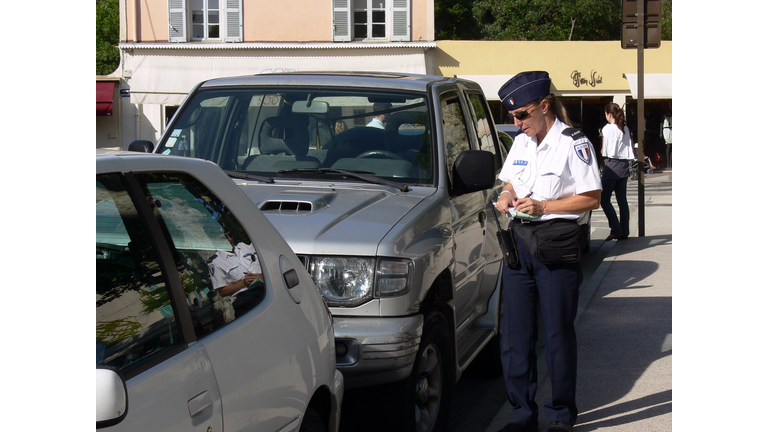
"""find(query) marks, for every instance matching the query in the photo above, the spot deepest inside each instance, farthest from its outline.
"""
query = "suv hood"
(334, 219)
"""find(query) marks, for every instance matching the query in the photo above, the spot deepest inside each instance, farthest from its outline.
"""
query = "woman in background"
(618, 155)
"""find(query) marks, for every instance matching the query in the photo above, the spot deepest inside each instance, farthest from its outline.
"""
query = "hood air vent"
(287, 206)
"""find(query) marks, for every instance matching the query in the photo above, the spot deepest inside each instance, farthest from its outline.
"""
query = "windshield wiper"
(246, 176)
(361, 175)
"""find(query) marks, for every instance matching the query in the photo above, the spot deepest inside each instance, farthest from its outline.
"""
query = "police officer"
(550, 172)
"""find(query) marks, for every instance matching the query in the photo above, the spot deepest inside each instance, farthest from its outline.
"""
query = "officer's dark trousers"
(557, 288)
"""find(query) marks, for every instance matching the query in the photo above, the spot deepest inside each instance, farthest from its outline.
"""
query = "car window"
(454, 129)
(134, 322)
(218, 264)
(290, 132)
(483, 122)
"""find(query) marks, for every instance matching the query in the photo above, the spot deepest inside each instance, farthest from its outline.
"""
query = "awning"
(655, 86)
(166, 77)
(104, 92)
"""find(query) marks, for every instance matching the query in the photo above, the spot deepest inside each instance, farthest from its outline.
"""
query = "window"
(455, 136)
(371, 20)
(135, 322)
(205, 20)
(483, 126)
(211, 249)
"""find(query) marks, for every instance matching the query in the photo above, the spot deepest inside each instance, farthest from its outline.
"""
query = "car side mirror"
(473, 171)
(111, 397)
(141, 146)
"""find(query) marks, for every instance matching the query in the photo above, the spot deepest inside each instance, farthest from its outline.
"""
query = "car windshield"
(267, 134)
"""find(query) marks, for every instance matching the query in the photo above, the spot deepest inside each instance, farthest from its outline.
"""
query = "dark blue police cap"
(524, 88)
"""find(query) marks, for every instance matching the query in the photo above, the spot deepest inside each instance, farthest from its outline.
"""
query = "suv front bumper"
(376, 350)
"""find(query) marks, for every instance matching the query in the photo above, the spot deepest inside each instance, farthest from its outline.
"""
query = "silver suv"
(383, 185)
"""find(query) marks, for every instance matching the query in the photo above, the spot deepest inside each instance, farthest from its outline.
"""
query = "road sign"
(630, 38)
(650, 10)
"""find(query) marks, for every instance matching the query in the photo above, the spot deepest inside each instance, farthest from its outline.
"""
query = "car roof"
(385, 80)
(125, 161)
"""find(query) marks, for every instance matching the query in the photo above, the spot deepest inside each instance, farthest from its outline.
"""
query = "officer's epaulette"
(573, 133)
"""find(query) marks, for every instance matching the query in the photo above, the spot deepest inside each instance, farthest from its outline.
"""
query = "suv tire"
(427, 392)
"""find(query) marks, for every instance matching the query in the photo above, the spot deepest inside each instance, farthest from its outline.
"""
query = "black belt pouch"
(553, 242)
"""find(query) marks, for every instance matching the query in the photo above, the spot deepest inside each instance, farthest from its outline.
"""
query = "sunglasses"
(522, 115)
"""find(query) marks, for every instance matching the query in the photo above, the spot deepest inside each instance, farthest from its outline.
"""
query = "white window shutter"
(178, 30)
(342, 20)
(401, 20)
(234, 17)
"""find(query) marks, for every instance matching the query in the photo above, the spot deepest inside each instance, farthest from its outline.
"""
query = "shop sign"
(592, 80)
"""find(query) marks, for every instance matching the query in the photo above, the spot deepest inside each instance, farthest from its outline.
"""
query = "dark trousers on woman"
(615, 176)
(557, 289)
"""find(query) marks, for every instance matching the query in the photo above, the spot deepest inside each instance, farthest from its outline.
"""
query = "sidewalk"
(624, 330)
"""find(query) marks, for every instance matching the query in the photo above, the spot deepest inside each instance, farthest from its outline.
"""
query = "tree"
(454, 20)
(549, 19)
(107, 36)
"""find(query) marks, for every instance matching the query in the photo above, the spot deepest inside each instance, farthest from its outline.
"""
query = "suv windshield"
(288, 133)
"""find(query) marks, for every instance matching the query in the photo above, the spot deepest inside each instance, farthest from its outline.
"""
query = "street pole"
(641, 118)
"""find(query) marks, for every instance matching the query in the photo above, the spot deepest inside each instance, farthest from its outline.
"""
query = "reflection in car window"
(483, 127)
(219, 268)
(454, 129)
(133, 323)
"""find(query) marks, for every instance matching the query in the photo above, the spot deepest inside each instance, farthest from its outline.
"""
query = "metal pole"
(641, 118)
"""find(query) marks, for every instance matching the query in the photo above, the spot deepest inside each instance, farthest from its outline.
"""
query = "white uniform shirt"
(230, 267)
(376, 123)
(617, 144)
(560, 167)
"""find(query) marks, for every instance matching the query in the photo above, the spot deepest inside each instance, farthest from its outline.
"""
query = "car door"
(481, 132)
(468, 210)
(143, 327)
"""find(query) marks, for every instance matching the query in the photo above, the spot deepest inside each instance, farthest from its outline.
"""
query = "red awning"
(104, 92)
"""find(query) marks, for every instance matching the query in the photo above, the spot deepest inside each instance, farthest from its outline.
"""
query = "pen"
(530, 194)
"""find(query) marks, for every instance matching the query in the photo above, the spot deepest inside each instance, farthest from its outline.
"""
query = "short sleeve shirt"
(617, 143)
(227, 268)
(562, 166)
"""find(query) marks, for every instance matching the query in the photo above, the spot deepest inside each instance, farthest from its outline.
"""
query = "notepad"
(521, 215)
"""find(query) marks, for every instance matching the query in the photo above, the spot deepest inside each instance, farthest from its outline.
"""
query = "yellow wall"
(606, 59)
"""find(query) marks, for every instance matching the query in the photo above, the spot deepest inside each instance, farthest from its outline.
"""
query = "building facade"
(169, 46)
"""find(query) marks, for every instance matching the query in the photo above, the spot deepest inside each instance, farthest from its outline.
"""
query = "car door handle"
(199, 403)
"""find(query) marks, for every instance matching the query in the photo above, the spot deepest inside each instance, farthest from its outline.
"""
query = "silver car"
(175, 350)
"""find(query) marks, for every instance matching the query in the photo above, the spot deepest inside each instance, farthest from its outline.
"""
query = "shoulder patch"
(583, 151)
(573, 133)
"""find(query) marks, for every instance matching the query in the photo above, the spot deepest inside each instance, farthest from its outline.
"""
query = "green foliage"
(454, 20)
(666, 20)
(549, 19)
(535, 20)
(107, 36)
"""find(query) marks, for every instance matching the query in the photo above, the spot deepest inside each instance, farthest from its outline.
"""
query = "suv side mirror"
(141, 146)
(473, 171)
(111, 397)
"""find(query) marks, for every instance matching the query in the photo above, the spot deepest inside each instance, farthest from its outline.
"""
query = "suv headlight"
(350, 281)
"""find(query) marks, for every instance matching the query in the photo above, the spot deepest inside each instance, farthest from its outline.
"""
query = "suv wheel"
(428, 390)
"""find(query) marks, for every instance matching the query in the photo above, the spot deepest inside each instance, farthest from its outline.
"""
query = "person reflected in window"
(380, 120)
(233, 272)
